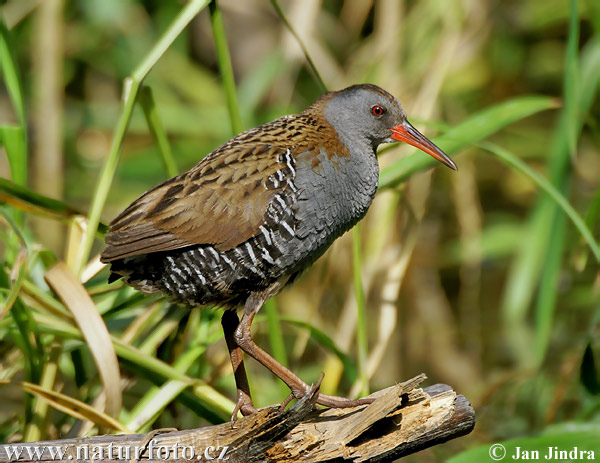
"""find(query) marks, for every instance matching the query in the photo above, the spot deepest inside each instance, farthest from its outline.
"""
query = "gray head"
(366, 113)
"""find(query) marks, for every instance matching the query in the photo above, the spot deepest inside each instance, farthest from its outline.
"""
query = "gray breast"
(335, 194)
(332, 196)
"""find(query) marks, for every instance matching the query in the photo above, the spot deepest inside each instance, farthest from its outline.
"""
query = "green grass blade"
(593, 212)
(10, 72)
(513, 161)
(28, 340)
(146, 365)
(203, 391)
(549, 278)
(157, 131)
(108, 171)
(16, 152)
(149, 407)
(46, 301)
(185, 16)
(521, 283)
(153, 403)
(276, 339)
(274, 331)
(19, 267)
(474, 129)
(225, 66)
(106, 178)
(547, 293)
(15, 145)
(361, 321)
(28, 200)
(309, 60)
(257, 83)
(531, 258)
(589, 76)
(325, 341)
(563, 148)
(38, 428)
(13, 139)
(593, 8)
(571, 78)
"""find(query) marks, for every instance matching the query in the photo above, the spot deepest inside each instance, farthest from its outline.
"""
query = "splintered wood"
(402, 420)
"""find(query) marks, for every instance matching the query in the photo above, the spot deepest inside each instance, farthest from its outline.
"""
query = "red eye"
(377, 110)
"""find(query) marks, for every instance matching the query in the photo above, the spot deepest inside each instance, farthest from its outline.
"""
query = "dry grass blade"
(18, 277)
(93, 267)
(388, 315)
(38, 427)
(94, 331)
(160, 399)
(74, 246)
(74, 407)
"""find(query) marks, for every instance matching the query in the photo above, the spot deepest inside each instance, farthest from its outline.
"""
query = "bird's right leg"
(244, 404)
(299, 388)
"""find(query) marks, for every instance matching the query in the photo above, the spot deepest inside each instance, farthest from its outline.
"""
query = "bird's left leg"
(229, 322)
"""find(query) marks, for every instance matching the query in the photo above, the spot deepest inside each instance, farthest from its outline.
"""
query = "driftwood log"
(403, 420)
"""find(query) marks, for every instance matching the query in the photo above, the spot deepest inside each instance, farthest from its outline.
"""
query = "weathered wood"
(403, 420)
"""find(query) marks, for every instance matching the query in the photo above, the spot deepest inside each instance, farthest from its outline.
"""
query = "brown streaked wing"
(221, 201)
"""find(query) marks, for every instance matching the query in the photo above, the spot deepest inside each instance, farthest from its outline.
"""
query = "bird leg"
(299, 388)
(244, 404)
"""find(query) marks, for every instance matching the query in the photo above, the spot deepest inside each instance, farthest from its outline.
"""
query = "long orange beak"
(408, 134)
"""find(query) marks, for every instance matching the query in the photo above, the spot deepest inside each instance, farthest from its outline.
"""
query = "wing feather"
(221, 201)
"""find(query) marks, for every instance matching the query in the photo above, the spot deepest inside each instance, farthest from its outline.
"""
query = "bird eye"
(377, 111)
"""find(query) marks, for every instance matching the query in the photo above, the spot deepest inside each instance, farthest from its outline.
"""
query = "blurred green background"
(477, 278)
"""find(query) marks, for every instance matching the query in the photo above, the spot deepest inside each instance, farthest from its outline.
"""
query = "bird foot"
(333, 401)
(308, 392)
(326, 400)
(330, 401)
(286, 402)
(244, 405)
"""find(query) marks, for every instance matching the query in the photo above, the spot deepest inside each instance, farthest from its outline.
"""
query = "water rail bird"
(249, 217)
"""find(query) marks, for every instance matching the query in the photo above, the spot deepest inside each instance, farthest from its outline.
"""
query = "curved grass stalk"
(225, 67)
(202, 393)
(361, 322)
(157, 130)
(309, 60)
(132, 87)
(514, 162)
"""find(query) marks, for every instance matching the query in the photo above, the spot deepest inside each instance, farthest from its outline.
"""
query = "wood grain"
(403, 420)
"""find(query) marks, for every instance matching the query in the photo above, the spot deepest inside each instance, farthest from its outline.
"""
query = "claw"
(244, 405)
(286, 402)
(310, 391)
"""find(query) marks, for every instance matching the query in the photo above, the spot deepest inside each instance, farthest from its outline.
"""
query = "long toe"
(244, 405)
(286, 402)
(333, 401)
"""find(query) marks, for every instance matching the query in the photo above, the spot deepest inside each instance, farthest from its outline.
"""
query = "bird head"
(368, 112)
